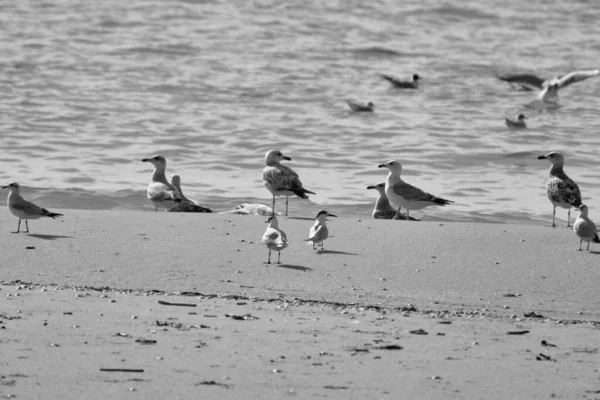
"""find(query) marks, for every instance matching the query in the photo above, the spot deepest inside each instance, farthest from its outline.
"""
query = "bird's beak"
(381, 166)
(541, 157)
(4, 187)
(331, 215)
(287, 158)
(370, 187)
(145, 159)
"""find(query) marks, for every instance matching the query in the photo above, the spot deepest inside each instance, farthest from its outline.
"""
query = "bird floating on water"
(400, 84)
(383, 209)
(585, 228)
(401, 194)
(518, 123)
(185, 205)
(361, 107)
(160, 192)
(280, 179)
(562, 191)
(319, 231)
(24, 209)
(274, 238)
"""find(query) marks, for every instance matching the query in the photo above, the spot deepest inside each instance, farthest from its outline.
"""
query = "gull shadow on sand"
(594, 252)
(336, 252)
(48, 237)
(296, 267)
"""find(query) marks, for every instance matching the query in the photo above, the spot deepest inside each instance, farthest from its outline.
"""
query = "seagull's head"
(273, 156)
(157, 161)
(583, 209)
(554, 157)
(394, 166)
(370, 104)
(380, 187)
(521, 117)
(175, 180)
(13, 186)
(416, 77)
(324, 214)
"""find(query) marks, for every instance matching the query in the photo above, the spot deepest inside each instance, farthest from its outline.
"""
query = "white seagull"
(319, 232)
(24, 209)
(274, 238)
(160, 192)
(400, 84)
(549, 92)
(360, 107)
(533, 82)
(383, 209)
(585, 228)
(280, 179)
(401, 194)
(519, 123)
(186, 205)
(562, 191)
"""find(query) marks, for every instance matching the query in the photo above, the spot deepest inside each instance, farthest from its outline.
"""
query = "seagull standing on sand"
(186, 205)
(280, 179)
(518, 123)
(24, 209)
(400, 84)
(319, 232)
(401, 194)
(383, 209)
(585, 228)
(358, 107)
(160, 192)
(562, 191)
(274, 238)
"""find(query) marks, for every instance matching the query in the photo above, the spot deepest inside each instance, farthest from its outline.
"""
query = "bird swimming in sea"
(280, 179)
(274, 238)
(562, 191)
(319, 231)
(400, 84)
(160, 192)
(24, 209)
(185, 205)
(518, 123)
(360, 107)
(383, 209)
(585, 228)
(401, 194)
(533, 82)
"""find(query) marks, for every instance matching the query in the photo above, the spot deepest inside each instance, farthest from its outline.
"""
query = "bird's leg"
(313, 243)
(553, 217)
(155, 208)
(580, 242)
(588, 248)
(18, 226)
(569, 219)
(278, 256)
(322, 245)
(269, 260)
(286, 205)
(273, 210)
(26, 226)
(398, 216)
(407, 214)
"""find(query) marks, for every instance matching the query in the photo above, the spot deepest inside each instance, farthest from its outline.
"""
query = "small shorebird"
(185, 205)
(562, 191)
(584, 228)
(360, 107)
(319, 232)
(518, 123)
(383, 209)
(400, 84)
(274, 238)
(280, 179)
(160, 192)
(24, 209)
(401, 194)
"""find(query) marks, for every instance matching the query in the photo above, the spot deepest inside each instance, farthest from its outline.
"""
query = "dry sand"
(391, 309)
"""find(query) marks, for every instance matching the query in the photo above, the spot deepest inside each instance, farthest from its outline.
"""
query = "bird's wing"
(586, 229)
(527, 80)
(160, 192)
(574, 77)
(282, 178)
(564, 190)
(28, 207)
(284, 238)
(411, 193)
(319, 235)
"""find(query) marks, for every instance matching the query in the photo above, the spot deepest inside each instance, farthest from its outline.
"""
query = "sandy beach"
(390, 309)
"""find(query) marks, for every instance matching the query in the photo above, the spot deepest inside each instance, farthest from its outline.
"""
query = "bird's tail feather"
(302, 193)
(596, 238)
(52, 215)
(442, 202)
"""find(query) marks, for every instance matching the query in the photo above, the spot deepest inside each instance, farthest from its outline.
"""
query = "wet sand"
(390, 309)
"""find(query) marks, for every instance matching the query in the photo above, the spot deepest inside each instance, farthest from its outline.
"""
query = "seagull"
(251, 209)
(185, 205)
(280, 179)
(359, 107)
(562, 191)
(533, 82)
(383, 208)
(585, 228)
(397, 83)
(319, 232)
(518, 123)
(402, 194)
(274, 238)
(160, 192)
(24, 209)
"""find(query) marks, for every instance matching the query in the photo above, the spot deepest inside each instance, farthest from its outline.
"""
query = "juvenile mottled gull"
(518, 123)
(360, 107)
(274, 238)
(383, 209)
(24, 209)
(562, 191)
(401, 194)
(160, 192)
(319, 232)
(400, 84)
(280, 179)
(185, 205)
(585, 228)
